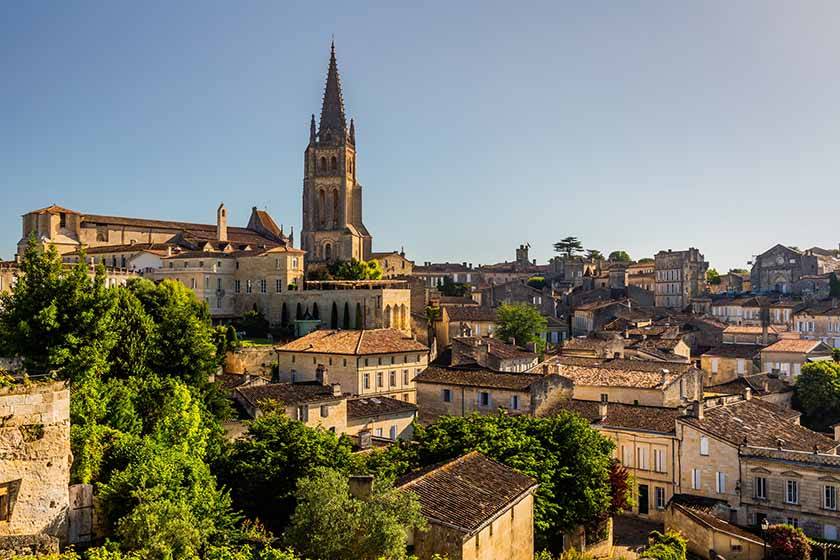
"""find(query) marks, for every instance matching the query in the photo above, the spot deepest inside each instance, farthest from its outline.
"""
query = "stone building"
(394, 264)
(35, 461)
(368, 363)
(680, 277)
(819, 321)
(382, 417)
(332, 196)
(787, 356)
(477, 509)
(317, 405)
(697, 519)
(464, 321)
(435, 274)
(642, 275)
(730, 361)
(780, 268)
(491, 353)
(591, 317)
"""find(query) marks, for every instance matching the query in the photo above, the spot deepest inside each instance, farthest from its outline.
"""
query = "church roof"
(332, 110)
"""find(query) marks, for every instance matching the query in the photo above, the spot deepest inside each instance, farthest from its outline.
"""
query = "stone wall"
(255, 360)
(35, 458)
(12, 547)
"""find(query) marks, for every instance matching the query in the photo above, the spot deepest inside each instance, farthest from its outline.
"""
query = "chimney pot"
(837, 431)
(336, 389)
(747, 394)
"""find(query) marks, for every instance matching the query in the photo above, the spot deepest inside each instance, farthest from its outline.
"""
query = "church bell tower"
(332, 198)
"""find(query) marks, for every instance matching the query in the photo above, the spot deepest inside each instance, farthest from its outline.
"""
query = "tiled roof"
(793, 345)
(826, 309)
(624, 416)
(744, 351)
(467, 492)
(53, 209)
(592, 342)
(471, 314)
(639, 374)
(474, 376)
(441, 268)
(599, 304)
(128, 248)
(496, 348)
(371, 341)
(289, 394)
(760, 424)
(366, 407)
(756, 383)
(717, 524)
(455, 300)
(752, 329)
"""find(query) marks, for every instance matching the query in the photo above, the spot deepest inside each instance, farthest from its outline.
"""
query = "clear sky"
(480, 125)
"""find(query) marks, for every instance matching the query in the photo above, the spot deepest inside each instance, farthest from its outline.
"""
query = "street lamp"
(764, 526)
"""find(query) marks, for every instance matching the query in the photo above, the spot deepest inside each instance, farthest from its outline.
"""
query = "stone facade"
(780, 268)
(34, 459)
(819, 322)
(394, 264)
(680, 277)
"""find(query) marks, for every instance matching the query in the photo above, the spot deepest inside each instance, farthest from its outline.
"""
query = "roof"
(600, 304)
(456, 300)
(794, 345)
(160, 248)
(743, 351)
(590, 342)
(759, 424)
(357, 343)
(289, 394)
(467, 492)
(756, 383)
(752, 329)
(468, 313)
(495, 347)
(639, 374)
(715, 523)
(476, 376)
(442, 268)
(53, 209)
(332, 110)
(366, 407)
(624, 416)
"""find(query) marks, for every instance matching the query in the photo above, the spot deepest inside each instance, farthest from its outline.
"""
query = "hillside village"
(230, 380)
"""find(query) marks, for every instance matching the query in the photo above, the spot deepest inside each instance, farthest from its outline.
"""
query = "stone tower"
(332, 198)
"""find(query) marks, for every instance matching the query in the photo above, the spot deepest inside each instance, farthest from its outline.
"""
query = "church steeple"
(332, 110)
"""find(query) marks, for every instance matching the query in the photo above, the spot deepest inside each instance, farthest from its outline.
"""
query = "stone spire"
(352, 132)
(332, 111)
(312, 130)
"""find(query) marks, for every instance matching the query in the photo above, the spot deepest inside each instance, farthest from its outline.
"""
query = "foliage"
(355, 270)
(569, 246)
(521, 323)
(835, 354)
(834, 285)
(739, 271)
(253, 323)
(621, 492)
(818, 393)
(713, 277)
(329, 523)
(263, 469)
(646, 260)
(670, 546)
(570, 460)
(620, 256)
(536, 282)
(785, 542)
(57, 318)
(453, 289)
(594, 255)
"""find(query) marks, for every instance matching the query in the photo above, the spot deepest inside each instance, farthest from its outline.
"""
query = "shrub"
(785, 542)
(670, 546)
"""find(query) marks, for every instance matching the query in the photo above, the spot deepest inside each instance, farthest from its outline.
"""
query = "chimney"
(361, 486)
(836, 431)
(602, 410)
(697, 410)
(747, 394)
(336, 388)
(321, 375)
(545, 369)
(221, 223)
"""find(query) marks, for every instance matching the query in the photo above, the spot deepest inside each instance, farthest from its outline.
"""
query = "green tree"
(331, 524)
(134, 329)
(262, 470)
(521, 323)
(356, 270)
(785, 542)
(620, 256)
(818, 393)
(569, 246)
(834, 285)
(739, 271)
(254, 323)
(453, 289)
(570, 460)
(668, 546)
(646, 260)
(594, 255)
(713, 277)
(537, 282)
(57, 318)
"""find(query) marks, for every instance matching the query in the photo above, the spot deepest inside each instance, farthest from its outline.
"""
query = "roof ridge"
(359, 342)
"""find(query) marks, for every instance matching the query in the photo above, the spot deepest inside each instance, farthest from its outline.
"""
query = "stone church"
(332, 197)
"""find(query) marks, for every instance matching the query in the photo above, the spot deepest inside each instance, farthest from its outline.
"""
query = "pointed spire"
(332, 110)
(352, 132)
(312, 130)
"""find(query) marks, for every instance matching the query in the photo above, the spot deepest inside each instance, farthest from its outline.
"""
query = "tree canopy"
(569, 246)
(619, 256)
(521, 323)
(356, 270)
(786, 542)
(453, 289)
(713, 277)
(818, 393)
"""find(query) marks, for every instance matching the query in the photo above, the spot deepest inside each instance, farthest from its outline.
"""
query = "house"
(724, 440)
(464, 390)
(819, 321)
(373, 362)
(515, 291)
(434, 275)
(753, 335)
(464, 321)
(393, 264)
(780, 268)
(787, 355)
(595, 345)
(383, 417)
(680, 277)
(765, 386)
(730, 283)
(314, 404)
(476, 508)
(590, 317)
(645, 443)
(660, 350)
(697, 519)
(729, 361)
(491, 353)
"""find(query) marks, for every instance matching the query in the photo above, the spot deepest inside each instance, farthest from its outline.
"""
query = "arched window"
(328, 251)
(335, 208)
(322, 207)
(323, 163)
(333, 163)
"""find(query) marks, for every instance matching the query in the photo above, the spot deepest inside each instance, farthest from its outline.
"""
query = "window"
(405, 377)
(263, 286)
(792, 492)
(742, 366)
(793, 521)
(830, 532)
(760, 484)
(206, 282)
(514, 402)
(325, 411)
(830, 497)
(378, 432)
(237, 286)
(303, 413)
(218, 283)
(720, 483)
(659, 460)
(447, 395)
(484, 398)
(379, 379)
(605, 397)
(392, 378)
(192, 283)
(659, 497)
(278, 285)
(248, 287)
(715, 362)
(393, 433)
(695, 479)
(626, 456)
(367, 381)
(704, 445)
(642, 453)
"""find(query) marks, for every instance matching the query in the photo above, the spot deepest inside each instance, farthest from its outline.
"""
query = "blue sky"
(480, 125)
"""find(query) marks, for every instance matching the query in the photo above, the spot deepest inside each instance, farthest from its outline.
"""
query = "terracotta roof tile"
(289, 394)
(743, 351)
(366, 407)
(640, 374)
(476, 376)
(624, 416)
(793, 345)
(358, 343)
(467, 313)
